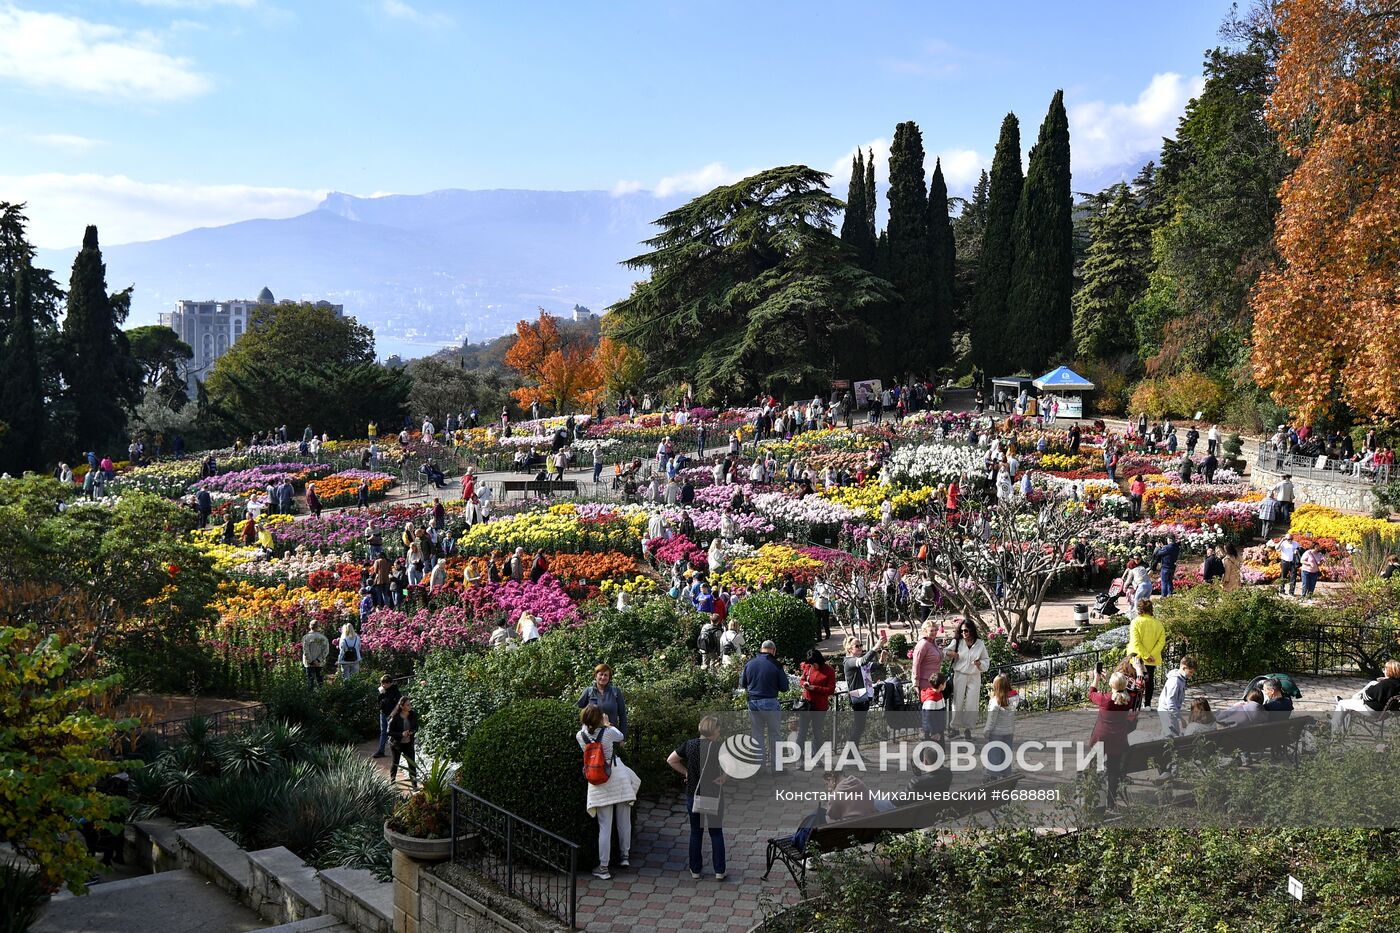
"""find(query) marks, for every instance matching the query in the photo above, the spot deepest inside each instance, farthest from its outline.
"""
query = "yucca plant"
(244, 755)
(240, 805)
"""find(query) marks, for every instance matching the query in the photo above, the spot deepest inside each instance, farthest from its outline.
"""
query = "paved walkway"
(658, 892)
(169, 902)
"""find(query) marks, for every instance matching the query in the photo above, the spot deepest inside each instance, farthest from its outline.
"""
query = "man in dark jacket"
(389, 696)
(764, 679)
(204, 505)
(1166, 556)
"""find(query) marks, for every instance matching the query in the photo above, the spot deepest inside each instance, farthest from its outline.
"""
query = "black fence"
(219, 723)
(1322, 468)
(528, 862)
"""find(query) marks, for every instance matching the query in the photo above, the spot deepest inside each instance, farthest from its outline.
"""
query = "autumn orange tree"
(1325, 319)
(555, 372)
(621, 364)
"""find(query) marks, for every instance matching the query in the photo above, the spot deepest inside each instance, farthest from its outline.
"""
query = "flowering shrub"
(669, 550)
(930, 464)
(342, 488)
(256, 479)
(868, 499)
(1322, 522)
(770, 562)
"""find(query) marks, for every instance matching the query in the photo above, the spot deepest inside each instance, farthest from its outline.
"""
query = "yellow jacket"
(1146, 639)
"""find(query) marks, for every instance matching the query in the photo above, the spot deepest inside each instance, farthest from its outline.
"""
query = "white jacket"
(971, 660)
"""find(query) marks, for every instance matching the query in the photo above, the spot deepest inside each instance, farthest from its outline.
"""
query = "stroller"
(1286, 685)
(1106, 604)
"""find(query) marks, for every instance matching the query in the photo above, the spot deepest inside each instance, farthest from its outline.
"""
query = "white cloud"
(698, 181)
(1103, 135)
(69, 142)
(398, 9)
(54, 50)
(840, 170)
(961, 168)
(126, 210)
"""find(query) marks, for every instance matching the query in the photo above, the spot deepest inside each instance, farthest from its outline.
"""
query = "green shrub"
(1236, 635)
(785, 620)
(1149, 396)
(657, 721)
(1188, 393)
(341, 711)
(1232, 446)
(899, 646)
(525, 759)
(649, 644)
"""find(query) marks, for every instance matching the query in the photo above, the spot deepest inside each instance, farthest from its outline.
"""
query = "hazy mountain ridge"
(437, 265)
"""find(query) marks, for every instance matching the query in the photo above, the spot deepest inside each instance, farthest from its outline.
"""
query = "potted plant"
(1230, 450)
(421, 827)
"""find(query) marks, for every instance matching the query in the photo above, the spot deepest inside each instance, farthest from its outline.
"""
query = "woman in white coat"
(610, 802)
(970, 660)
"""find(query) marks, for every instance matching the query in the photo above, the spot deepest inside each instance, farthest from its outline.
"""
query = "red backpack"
(596, 767)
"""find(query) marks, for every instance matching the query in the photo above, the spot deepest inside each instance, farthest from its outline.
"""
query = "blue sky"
(152, 116)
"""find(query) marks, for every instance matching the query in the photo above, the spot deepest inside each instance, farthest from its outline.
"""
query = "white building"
(211, 327)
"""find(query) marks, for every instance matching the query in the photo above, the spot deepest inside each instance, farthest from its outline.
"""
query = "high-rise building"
(211, 327)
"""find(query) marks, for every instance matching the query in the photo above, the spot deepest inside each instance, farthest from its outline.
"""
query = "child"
(1001, 723)
(366, 605)
(935, 707)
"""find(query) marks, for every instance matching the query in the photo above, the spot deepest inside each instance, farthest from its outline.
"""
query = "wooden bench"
(1282, 734)
(863, 830)
(542, 487)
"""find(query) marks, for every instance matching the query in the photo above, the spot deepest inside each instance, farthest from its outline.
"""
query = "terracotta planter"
(417, 847)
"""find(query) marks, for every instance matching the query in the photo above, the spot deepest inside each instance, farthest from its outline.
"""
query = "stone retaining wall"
(451, 901)
(1342, 494)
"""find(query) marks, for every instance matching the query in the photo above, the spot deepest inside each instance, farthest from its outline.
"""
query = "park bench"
(1265, 737)
(541, 487)
(863, 830)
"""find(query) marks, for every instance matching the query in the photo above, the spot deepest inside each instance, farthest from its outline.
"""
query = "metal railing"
(528, 862)
(1322, 468)
(220, 722)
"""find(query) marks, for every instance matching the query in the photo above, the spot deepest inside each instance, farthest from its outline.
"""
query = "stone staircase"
(201, 880)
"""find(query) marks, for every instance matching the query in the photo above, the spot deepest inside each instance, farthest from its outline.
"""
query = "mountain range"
(422, 270)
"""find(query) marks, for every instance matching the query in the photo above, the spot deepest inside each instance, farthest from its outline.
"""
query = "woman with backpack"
(349, 651)
(612, 787)
(696, 760)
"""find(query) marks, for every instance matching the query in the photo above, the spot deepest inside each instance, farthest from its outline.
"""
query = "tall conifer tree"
(1115, 273)
(943, 259)
(853, 221)
(987, 317)
(1042, 276)
(21, 382)
(912, 327)
(101, 374)
(871, 236)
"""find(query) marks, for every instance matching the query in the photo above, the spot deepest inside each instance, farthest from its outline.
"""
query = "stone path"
(169, 902)
(658, 892)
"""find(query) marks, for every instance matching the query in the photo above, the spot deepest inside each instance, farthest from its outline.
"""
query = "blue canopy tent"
(1069, 386)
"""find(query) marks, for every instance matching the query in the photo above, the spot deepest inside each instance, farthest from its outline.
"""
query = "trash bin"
(1081, 615)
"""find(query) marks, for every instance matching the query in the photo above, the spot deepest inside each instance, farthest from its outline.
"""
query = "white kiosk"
(1069, 387)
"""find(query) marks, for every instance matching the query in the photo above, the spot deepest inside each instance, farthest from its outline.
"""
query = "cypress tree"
(987, 317)
(913, 326)
(870, 235)
(853, 222)
(21, 382)
(1115, 275)
(943, 259)
(101, 374)
(1042, 276)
